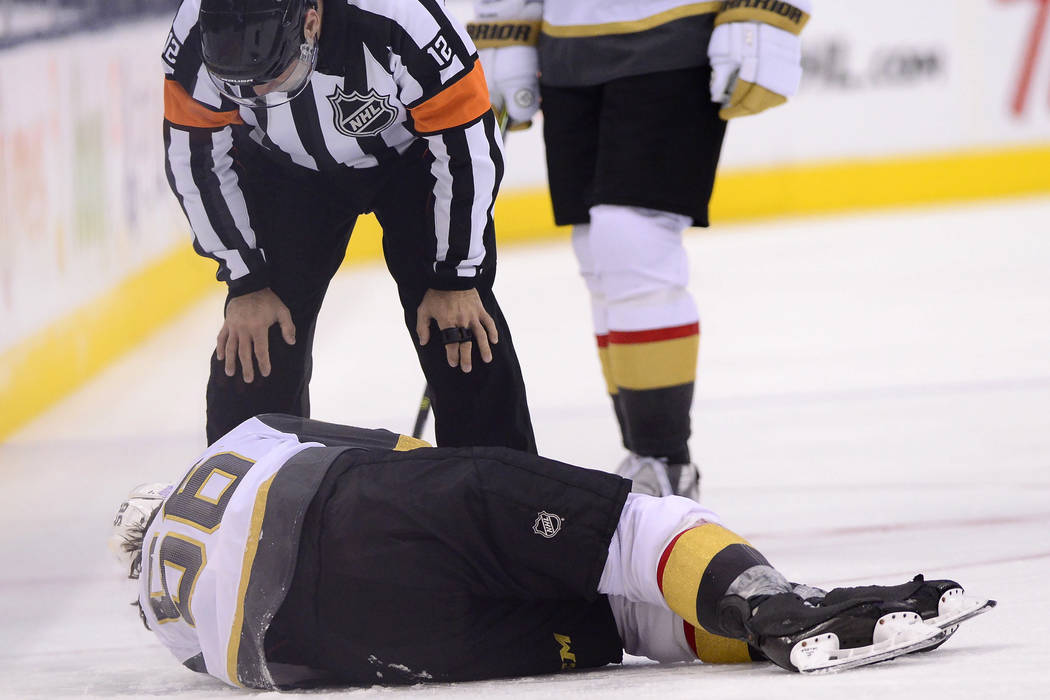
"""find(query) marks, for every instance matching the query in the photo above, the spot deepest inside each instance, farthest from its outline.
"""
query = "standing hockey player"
(285, 120)
(296, 552)
(635, 94)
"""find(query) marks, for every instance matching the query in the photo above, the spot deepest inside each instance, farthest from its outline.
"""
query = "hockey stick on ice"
(503, 122)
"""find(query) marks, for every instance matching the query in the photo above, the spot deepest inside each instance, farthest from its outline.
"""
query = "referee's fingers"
(452, 354)
(464, 355)
(261, 341)
(220, 343)
(230, 353)
(490, 327)
(244, 354)
(423, 326)
(482, 339)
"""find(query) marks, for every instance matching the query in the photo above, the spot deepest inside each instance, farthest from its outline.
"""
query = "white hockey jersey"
(219, 556)
(589, 42)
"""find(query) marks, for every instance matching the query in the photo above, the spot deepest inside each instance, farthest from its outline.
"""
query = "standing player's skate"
(655, 477)
(943, 602)
(806, 638)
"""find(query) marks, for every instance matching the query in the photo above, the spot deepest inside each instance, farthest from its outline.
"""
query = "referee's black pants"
(450, 565)
(304, 224)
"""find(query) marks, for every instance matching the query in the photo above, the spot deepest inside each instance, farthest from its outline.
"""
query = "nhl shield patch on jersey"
(361, 115)
(547, 524)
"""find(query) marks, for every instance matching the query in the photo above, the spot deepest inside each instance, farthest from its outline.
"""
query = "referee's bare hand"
(457, 309)
(247, 328)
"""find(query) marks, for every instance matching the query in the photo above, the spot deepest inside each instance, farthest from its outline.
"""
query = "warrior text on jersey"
(590, 42)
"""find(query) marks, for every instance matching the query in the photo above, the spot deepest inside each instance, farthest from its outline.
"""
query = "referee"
(287, 119)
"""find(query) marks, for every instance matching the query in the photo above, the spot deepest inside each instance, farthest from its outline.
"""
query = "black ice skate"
(943, 603)
(828, 637)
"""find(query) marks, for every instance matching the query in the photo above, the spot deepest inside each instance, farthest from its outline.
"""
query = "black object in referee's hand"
(456, 335)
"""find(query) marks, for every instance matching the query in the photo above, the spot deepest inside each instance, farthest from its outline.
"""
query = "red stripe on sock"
(663, 560)
(603, 340)
(653, 335)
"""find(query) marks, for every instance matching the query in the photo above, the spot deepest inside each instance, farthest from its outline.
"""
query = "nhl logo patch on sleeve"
(358, 115)
(547, 524)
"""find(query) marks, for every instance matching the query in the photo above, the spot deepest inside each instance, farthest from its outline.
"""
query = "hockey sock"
(638, 268)
(703, 565)
(654, 372)
(614, 391)
(581, 245)
(713, 649)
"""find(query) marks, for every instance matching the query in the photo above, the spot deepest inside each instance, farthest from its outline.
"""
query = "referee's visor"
(254, 50)
(270, 93)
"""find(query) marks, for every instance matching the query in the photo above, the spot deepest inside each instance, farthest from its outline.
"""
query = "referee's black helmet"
(249, 43)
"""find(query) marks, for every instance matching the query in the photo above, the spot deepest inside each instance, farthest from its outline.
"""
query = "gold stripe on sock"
(713, 649)
(683, 564)
(603, 358)
(654, 365)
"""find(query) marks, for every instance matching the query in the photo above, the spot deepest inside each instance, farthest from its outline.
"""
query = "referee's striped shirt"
(389, 72)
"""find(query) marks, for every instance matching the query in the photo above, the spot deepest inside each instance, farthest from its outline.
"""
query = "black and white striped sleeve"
(440, 80)
(467, 168)
(198, 141)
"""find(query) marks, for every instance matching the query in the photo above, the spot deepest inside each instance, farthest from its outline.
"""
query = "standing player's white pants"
(635, 267)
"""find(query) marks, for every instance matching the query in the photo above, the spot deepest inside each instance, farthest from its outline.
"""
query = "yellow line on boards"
(41, 369)
(521, 215)
(747, 195)
(48, 365)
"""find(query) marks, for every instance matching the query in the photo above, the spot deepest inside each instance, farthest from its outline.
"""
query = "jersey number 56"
(175, 559)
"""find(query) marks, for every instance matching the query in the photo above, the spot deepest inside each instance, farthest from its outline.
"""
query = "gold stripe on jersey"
(406, 443)
(182, 110)
(654, 365)
(750, 98)
(570, 31)
(683, 565)
(714, 649)
(250, 549)
(781, 15)
(494, 35)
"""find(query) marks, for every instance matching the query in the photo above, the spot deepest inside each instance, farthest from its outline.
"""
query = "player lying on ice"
(296, 552)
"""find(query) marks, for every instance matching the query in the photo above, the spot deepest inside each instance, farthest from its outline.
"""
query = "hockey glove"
(505, 33)
(756, 55)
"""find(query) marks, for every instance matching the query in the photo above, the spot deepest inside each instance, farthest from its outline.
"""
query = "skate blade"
(895, 634)
(955, 607)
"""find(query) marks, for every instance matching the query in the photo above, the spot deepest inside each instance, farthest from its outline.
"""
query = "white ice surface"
(874, 401)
